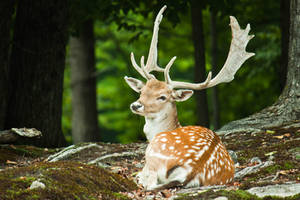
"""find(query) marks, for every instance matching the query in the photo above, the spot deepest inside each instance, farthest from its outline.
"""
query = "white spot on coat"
(191, 151)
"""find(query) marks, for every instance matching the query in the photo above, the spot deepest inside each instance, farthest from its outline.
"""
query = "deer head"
(157, 98)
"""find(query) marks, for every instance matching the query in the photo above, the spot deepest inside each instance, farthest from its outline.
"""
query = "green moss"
(120, 196)
(272, 169)
(63, 180)
(288, 165)
(210, 194)
(232, 195)
(35, 196)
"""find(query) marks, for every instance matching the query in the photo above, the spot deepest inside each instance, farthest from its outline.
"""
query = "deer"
(186, 156)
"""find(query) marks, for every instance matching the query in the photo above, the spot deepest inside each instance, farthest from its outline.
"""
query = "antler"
(151, 64)
(236, 57)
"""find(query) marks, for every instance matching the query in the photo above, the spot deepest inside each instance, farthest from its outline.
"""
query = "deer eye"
(162, 98)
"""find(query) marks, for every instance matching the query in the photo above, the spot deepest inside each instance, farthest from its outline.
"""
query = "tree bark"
(284, 26)
(214, 49)
(285, 113)
(37, 68)
(83, 82)
(199, 55)
(6, 12)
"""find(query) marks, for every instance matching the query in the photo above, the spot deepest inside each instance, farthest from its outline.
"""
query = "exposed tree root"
(283, 115)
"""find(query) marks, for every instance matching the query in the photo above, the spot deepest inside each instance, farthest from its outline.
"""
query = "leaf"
(11, 162)
(237, 184)
(166, 193)
(282, 136)
(270, 131)
(287, 135)
(270, 153)
(278, 136)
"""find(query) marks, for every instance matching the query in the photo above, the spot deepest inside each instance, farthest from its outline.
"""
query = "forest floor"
(76, 172)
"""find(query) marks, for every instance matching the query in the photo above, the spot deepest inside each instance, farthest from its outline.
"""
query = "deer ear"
(182, 95)
(135, 84)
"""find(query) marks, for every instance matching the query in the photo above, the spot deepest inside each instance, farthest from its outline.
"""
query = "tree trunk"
(37, 68)
(284, 25)
(215, 98)
(83, 82)
(6, 11)
(200, 70)
(285, 113)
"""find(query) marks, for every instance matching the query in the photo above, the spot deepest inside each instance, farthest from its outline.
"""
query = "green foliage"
(127, 27)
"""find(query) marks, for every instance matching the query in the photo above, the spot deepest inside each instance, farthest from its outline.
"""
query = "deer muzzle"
(137, 107)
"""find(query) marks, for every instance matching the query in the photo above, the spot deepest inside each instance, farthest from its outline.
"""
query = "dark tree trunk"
(285, 113)
(284, 25)
(83, 82)
(37, 68)
(215, 98)
(6, 11)
(199, 54)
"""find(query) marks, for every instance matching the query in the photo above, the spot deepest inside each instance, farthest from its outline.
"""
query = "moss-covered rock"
(63, 180)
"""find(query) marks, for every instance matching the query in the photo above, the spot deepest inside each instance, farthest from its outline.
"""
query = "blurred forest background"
(98, 36)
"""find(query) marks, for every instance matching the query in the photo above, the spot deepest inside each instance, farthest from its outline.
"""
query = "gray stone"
(256, 160)
(233, 155)
(283, 190)
(252, 169)
(295, 153)
(221, 198)
(37, 184)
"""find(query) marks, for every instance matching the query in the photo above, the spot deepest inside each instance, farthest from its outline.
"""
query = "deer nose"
(135, 106)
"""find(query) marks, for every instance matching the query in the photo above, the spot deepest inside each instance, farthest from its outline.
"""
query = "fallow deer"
(191, 155)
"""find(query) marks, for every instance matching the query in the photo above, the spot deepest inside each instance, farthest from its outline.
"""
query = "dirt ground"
(280, 146)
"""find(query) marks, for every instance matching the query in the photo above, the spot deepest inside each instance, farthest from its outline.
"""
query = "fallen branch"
(69, 151)
(252, 169)
(14, 134)
(99, 159)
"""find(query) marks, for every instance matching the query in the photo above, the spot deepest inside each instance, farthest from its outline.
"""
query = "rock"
(256, 160)
(283, 190)
(295, 153)
(252, 169)
(271, 158)
(233, 155)
(37, 184)
(221, 198)
(139, 165)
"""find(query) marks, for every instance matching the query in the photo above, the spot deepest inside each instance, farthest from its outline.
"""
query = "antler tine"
(151, 64)
(176, 84)
(148, 76)
(236, 57)
(136, 67)
(237, 54)
(167, 71)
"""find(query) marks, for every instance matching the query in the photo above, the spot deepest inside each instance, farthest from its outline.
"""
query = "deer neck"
(166, 120)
